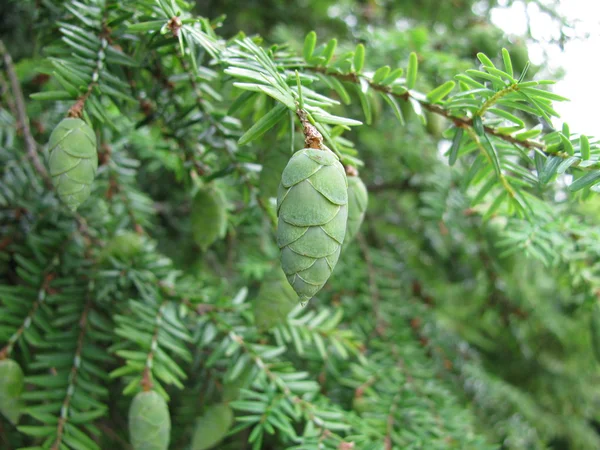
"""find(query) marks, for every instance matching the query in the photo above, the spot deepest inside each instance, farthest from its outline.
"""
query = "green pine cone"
(11, 387)
(73, 161)
(212, 427)
(149, 422)
(209, 217)
(358, 199)
(595, 330)
(312, 207)
(274, 301)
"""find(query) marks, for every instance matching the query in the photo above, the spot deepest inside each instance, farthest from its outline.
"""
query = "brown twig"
(22, 119)
(312, 137)
(390, 422)
(147, 374)
(463, 122)
(305, 405)
(77, 109)
(4, 92)
(41, 297)
(72, 377)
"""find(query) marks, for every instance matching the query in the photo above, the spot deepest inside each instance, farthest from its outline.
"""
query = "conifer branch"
(72, 386)
(41, 297)
(503, 181)
(77, 109)
(147, 382)
(463, 122)
(497, 96)
(5, 93)
(22, 118)
(277, 381)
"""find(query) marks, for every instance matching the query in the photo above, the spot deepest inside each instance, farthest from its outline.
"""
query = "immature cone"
(358, 199)
(73, 161)
(274, 301)
(11, 387)
(149, 422)
(209, 216)
(212, 427)
(312, 206)
(595, 330)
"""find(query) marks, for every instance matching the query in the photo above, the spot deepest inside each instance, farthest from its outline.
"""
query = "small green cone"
(358, 199)
(73, 161)
(149, 422)
(12, 382)
(209, 217)
(312, 208)
(212, 427)
(274, 301)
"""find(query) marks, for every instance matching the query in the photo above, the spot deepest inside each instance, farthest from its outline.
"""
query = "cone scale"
(312, 210)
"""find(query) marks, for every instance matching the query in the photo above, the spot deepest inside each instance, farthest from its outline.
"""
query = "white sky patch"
(579, 59)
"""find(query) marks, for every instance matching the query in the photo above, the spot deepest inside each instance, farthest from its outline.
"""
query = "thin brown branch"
(22, 119)
(4, 93)
(41, 297)
(72, 377)
(77, 109)
(463, 122)
(147, 374)
(280, 383)
(390, 422)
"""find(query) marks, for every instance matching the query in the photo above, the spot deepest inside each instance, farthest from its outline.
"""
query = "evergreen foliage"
(145, 305)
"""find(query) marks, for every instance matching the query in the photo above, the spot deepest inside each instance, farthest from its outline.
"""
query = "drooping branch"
(23, 120)
(463, 122)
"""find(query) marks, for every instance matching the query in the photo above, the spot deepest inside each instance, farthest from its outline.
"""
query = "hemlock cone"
(149, 422)
(358, 199)
(274, 301)
(312, 207)
(209, 217)
(11, 387)
(73, 161)
(212, 427)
